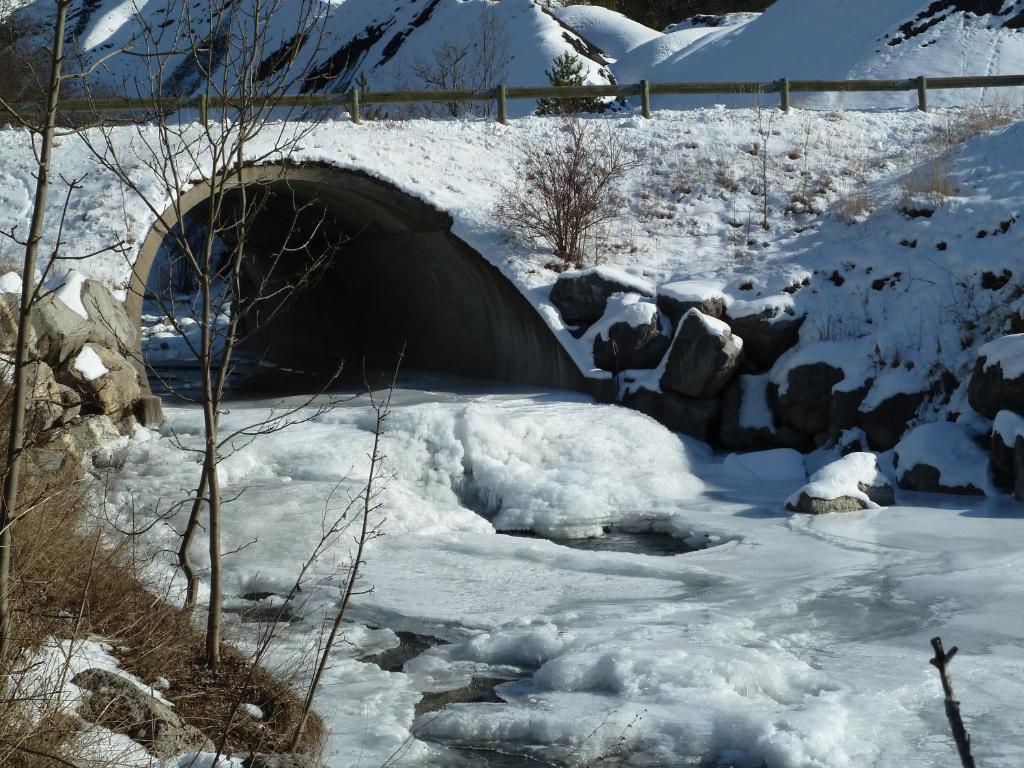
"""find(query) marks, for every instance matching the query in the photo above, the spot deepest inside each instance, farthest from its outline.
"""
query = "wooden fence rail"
(354, 100)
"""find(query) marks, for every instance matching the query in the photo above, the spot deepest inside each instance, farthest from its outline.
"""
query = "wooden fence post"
(356, 109)
(784, 94)
(922, 93)
(503, 104)
(645, 99)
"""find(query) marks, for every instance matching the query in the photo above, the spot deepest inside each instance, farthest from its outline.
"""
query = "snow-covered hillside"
(334, 44)
(836, 39)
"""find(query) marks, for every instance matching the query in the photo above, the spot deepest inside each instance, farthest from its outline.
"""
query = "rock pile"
(84, 391)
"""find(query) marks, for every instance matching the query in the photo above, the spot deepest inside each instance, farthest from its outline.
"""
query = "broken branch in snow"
(956, 723)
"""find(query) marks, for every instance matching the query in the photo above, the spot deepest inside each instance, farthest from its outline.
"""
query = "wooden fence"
(354, 100)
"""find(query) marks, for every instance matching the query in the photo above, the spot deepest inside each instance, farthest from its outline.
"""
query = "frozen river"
(709, 628)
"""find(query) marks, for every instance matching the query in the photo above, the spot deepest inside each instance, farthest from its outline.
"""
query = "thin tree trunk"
(16, 438)
(187, 537)
(350, 584)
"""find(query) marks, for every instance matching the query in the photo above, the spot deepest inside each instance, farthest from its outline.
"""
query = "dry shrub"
(976, 119)
(567, 184)
(931, 181)
(70, 583)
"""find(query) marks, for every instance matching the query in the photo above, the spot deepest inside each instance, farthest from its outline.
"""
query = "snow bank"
(1007, 352)
(838, 39)
(951, 450)
(755, 413)
(609, 30)
(1008, 426)
(851, 357)
(776, 465)
(889, 383)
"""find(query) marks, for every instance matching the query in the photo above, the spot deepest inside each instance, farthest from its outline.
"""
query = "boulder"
(108, 383)
(111, 326)
(889, 407)
(55, 461)
(149, 411)
(120, 705)
(747, 421)
(1018, 470)
(998, 380)
(844, 408)
(1007, 434)
(851, 483)
(767, 334)
(582, 295)
(71, 402)
(676, 299)
(61, 332)
(43, 402)
(803, 399)
(703, 356)
(10, 310)
(629, 335)
(91, 432)
(695, 417)
(942, 457)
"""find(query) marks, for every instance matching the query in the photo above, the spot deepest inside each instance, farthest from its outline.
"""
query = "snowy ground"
(792, 641)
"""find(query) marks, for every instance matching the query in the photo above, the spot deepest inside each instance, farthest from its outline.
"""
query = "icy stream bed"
(782, 640)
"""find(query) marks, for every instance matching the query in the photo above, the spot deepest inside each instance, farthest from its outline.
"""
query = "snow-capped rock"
(853, 482)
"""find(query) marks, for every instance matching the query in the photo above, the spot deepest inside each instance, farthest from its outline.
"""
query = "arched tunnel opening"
(394, 281)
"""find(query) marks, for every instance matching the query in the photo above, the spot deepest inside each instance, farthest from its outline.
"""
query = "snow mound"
(837, 39)
(1006, 352)
(1008, 426)
(609, 30)
(892, 382)
(948, 448)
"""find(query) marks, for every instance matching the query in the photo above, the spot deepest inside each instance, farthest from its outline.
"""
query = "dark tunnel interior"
(393, 278)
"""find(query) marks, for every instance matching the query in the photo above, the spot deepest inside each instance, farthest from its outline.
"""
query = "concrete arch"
(404, 278)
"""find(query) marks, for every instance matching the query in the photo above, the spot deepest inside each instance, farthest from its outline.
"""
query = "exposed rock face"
(676, 299)
(10, 304)
(55, 461)
(766, 336)
(61, 331)
(991, 390)
(1007, 443)
(280, 761)
(844, 409)
(44, 401)
(582, 295)
(812, 505)
(695, 417)
(885, 424)
(113, 392)
(924, 477)
(111, 326)
(806, 401)
(734, 433)
(627, 346)
(703, 356)
(117, 704)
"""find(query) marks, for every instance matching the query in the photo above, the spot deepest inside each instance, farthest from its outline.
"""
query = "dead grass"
(69, 584)
(976, 119)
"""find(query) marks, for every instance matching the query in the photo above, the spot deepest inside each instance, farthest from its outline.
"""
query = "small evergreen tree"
(567, 69)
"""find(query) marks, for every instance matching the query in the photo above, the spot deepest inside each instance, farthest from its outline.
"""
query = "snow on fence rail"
(355, 99)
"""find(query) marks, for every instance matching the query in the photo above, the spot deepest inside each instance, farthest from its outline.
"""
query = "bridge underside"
(395, 279)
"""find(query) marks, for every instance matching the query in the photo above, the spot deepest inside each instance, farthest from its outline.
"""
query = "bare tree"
(16, 437)
(232, 51)
(567, 184)
(476, 63)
